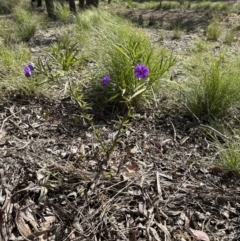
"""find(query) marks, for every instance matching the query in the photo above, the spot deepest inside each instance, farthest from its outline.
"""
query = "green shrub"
(124, 48)
(115, 50)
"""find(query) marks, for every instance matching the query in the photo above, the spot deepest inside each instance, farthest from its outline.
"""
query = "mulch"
(159, 183)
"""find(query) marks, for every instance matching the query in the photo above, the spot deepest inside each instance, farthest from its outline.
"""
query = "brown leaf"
(132, 235)
(202, 236)
(184, 139)
(154, 234)
(2, 134)
(132, 168)
(165, 230)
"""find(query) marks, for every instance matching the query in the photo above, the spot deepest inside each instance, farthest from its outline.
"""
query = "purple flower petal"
(105, 81)
(141, 71)
(27, 71)
(31, 66)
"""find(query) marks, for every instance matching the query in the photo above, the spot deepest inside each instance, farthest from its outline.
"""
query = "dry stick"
(110, 200)
(174, 131)
(159, 190)
(214, 130)
(192, 113)
(4, 122)
(16, 125)
(111, 148)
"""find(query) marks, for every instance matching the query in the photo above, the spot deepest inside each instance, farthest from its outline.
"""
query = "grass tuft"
(62, 12)
(7, 31)
(213, 86)
(214, 31)
(229, 37)
(7, 6)
(177, 32)
(26, 23)
(229, 157)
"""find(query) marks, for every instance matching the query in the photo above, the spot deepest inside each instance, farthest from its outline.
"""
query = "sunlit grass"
(12, 60)
(214, 30)
(7, 31)
(27, 23)
(62, 12)
(229, 37)
(124, 47)
(201, 46)
(213, 85)
(229, 156)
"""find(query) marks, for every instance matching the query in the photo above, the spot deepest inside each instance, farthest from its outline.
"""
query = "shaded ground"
(190, 20)
(159, 184)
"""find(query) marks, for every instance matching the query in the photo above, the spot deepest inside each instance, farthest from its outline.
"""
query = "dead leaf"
(155, 234)
(41, 173)
(202, 236)
(132, 235)
(132, 168)
(165, 230)
(2, 134)
(82, 150)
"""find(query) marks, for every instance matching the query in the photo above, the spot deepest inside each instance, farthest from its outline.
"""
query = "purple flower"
(105, 81)
(31, 66)
(141, 71)
(28, 69)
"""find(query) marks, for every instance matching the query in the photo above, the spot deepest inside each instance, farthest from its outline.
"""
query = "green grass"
(27, 23)
(7, 31)
(12, 61)
(236, 7)
(214, 31)
(7, 6)
(208, 5)
(62, 12)
(229, 37)
(229, 156)
(124, 47)
(169, 5)
(201, 46)
(177, 32)
(213, 85)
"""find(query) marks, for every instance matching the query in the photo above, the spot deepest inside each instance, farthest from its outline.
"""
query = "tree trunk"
(50, 8)
(72, 6)
(81, 4)
(92, 3)
(39, 3)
